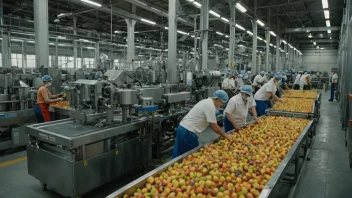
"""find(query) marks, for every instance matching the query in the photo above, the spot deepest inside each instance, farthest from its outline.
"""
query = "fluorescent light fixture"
(325, 4)
(92, 3)
(225, 19)
(249, 32)
(329, 31)
(198, 5)
(284, 42)
(181, 32)
(156, 9)
(271, 45)
(214, 13)
(259, 38)
(141, 2)
(219, 33)
(239, 27)
(327, 23)
(241, 8)
(290, 46)
(61, 37)
(322, 48)
(286, 53)
(317, 47)
(227, 36)
(314, 43)
(330, 38)
(241, 46)
(90, 47)
(148, 21)
(265, 41)
(272, 33)
(166, 28)
(327, 14)
(261, 23)
(274, 46)
(310, 35)
(190, 1)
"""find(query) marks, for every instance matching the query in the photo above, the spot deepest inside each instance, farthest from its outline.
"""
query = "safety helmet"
(247, 89)
(221, 95)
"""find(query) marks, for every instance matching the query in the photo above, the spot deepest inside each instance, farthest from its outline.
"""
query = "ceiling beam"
(310, 29)
(318, 41)
(283, 4)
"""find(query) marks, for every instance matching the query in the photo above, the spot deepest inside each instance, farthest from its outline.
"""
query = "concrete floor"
(327, 174)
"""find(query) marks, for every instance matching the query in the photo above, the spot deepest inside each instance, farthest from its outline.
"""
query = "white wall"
(319, 60)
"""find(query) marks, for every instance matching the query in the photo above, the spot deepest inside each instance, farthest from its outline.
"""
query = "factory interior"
(95, 96)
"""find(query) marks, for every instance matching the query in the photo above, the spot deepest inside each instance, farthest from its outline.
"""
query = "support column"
(286, 56)
(97, 54)
(205, 26)
(57, 52)
(75, 42)
(82, 60)
(172, 76)
(267, 51)
(24, 60)
(130, 40)
(278, 57)
(6, 60)
(254, 48)
(232, 34)
(41, 27)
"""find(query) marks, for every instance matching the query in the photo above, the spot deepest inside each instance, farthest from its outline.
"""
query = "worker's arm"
(216, 128)
(254, 112)
(275, 97)
(47, 99)
(229, 117)
(286, 87)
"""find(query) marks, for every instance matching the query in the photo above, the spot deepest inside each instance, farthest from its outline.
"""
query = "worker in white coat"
(196, 121)
(229, 82)
(259, 81)
(237, 109)
(333, 80)
(265, 92)
(297, 80)
(304, 83)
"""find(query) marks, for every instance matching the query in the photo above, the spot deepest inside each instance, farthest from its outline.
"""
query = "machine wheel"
(44, 187)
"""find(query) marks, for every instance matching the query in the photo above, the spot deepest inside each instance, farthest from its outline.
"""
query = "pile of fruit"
(309, 94)
(238, 169)
(295, 105)
(61, 104)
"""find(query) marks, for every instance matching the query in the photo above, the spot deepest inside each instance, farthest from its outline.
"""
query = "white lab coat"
(259, 80)
(238, 109)
(334, 79)
(303, 81)
(240, 83)
(228, 84)
(297, 79)
(264, 92)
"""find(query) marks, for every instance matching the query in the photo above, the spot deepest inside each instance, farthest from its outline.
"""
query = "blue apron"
(185, 141)
(228, 126)
(262, 106)
(38, 114)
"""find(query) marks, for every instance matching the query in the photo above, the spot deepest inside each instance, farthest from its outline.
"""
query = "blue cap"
(221, 95)
(278, 76)
(309, 72)
(46, 78)
(262, 72)
(247, 89)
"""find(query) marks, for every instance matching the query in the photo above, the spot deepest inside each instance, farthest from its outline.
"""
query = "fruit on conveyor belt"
(295, 105)
(62, 104)
(239, 169)
(309, 94)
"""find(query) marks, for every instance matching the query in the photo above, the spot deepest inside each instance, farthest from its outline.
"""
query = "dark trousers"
(332, 90)
(296, 87)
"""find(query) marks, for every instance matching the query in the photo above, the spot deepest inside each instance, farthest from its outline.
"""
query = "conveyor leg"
(44, 187)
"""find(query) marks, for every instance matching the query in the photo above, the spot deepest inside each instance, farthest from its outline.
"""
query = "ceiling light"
(322, 48)
(92, 3)
(259, 38)
(239, 27)
(241, 8)
(265, 41)
(190, 1)
(330, 38)
(317, 47)
(166, 28)
(327, 14)
(156, 9)
(271, 45)
(314, 43)
(227, 36)
(198, 5)
(147, 21)
(310, 35)
(329, 31)
(219, 33)
(284, 42)
(274, 46)
(260, 23)
(325, 4)
(272, 33)
(225, 19)
(214, 13)
(181, 32)
(141, 2)
(249, 32)
(327, 23)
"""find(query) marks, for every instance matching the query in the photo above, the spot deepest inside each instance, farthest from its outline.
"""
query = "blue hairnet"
(262, 72)
(278, 76)
(46, 78)
(247, 89)
(309, 72)
(221, 95)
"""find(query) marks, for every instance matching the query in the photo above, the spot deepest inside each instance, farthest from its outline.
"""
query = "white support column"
(254, 48)
(6, 59)
(267, 51)
(286, 56)
(278, 57)
(97, 54)
(130, 40)
(75, 42)
(57, 52)
(41, 27)
(232, 34)
(205, 26)
(172, 76)
(82, 60)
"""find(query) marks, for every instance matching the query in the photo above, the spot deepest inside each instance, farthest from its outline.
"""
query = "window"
(31, 61)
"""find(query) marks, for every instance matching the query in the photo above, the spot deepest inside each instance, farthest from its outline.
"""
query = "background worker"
(196, 121)
(333, 79)
(259, 81)
(44, 99)
(283, 82)
(297, 80)
(305, 83)
(237, 109)
(228, 85)
(265, 92)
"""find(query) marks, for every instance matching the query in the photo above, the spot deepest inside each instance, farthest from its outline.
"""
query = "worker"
(229, 82)
(304, 83)
(265, 92)
(44, 99)
(239, 82)
(196, 121)
(283, 82)
(333, 80)
(297, 80)
(259, 81)
(237, 109)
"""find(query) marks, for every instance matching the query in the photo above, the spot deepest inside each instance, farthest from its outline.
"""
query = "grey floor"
(326, 175)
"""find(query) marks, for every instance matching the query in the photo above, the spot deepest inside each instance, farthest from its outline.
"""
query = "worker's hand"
(280, 100)
(229, 138)
(259, 86)
(59, 99)
(257, 120)
(236, 126)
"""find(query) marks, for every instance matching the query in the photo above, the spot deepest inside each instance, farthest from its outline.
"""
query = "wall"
(319, 60)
